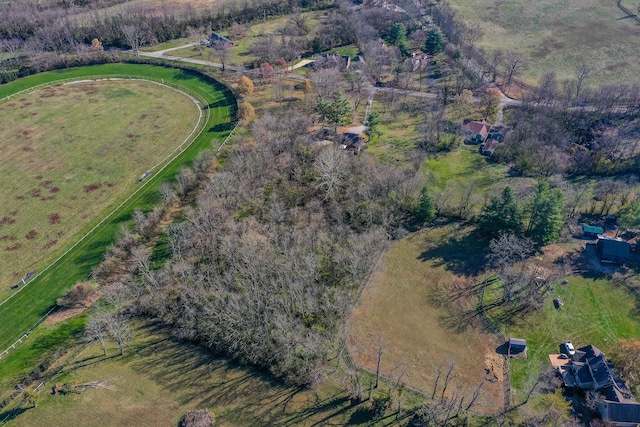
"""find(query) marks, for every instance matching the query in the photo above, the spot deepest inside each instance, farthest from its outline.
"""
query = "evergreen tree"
(337, 111)
(397, 35)
(501, 216)
(433, 43)
(424, 210)
(373, 121)
(546, 214)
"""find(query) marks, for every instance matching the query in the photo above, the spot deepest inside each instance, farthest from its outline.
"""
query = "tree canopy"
(501, 215)
(424, 210)
(629, 216)
(433, 44)
(546, 214)
(336, 112)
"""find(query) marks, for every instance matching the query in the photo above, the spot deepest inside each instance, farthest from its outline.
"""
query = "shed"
(591, 231)
(613, 250)
(517, 346)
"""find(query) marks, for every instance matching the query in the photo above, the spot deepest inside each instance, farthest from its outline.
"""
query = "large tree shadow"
(11, 414)
(209, 380)
(461, 254)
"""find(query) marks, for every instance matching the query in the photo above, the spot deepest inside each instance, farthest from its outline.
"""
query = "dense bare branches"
(267, 264)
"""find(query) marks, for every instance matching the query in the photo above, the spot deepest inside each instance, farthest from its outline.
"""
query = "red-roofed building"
(478, 131)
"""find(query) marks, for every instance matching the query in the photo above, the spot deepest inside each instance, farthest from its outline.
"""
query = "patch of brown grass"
(400, 308)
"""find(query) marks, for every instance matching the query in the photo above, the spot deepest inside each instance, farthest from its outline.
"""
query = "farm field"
(559, 36)
(400, 308)
(24, 308)
(70, 150)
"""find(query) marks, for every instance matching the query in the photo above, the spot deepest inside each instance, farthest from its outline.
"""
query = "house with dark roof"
(219, 40)
(331, 60)
(588, 370)
(613, 250)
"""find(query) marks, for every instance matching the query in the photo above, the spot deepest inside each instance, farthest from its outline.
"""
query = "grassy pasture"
(160, 378)
(400, 308)
(239, 55)
(559, 35)
(26, 307)
(69, 151)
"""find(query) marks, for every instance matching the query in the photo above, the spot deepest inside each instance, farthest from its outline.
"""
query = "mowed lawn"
(69, 151)
(401, 309)
(159, 379)
(596, 311)
(25, 307)
(559, 35)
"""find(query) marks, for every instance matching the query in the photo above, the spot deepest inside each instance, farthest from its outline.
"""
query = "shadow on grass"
(222, 127)
(460, 254)
(207, 380)
(11, 414)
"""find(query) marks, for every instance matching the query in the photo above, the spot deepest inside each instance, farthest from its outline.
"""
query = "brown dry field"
(398, 307)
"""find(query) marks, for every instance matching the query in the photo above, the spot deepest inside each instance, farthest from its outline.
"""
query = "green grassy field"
(24, 309)
(239, 55)
(596, 311)
(69, 151)
(159, 379)
(559, 35)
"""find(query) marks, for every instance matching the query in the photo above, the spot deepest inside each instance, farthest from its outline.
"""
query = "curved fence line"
(628, 12)
(181, 148)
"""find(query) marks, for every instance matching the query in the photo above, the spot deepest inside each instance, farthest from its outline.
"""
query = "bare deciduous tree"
(331, 167)
(197, 35)
(135, 34)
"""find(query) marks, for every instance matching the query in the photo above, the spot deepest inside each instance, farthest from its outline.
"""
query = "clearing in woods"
(400, 310)
(69, 151)
(560, 35)
(160, 378)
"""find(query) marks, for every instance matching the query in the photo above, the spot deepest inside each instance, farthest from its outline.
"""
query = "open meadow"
(160, 378)
(69, 151)
(560, 35)
(240, 54)
(401, 310)
(24, 307)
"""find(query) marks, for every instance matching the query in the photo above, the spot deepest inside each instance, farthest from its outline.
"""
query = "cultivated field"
(400, 309)
(71, 150)
(559, 35)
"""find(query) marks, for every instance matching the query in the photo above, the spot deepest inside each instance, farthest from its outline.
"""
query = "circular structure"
(23, 308)
(68, 151)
